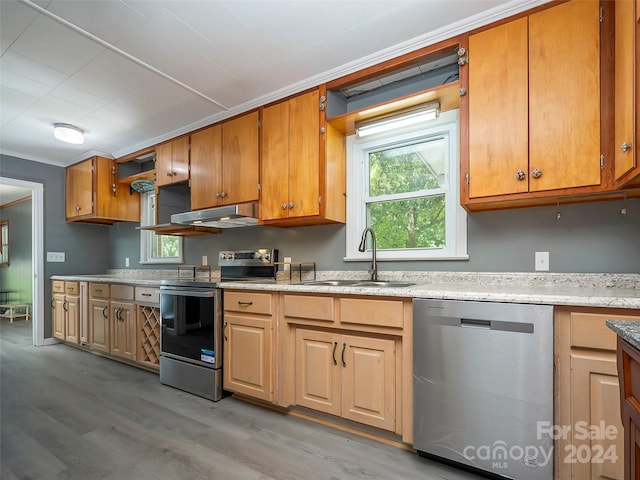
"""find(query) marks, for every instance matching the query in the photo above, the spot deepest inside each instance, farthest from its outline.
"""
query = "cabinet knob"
(222, 194)
(290, 205)
(521, 175)
(77, 208)
(462, 91)
(169, 174)
(323, 130)
(322, 107)
(284, 206)
(626, 147)
(217, 195)
(536, 173)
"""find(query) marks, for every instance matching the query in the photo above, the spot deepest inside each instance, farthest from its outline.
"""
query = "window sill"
(405, 259)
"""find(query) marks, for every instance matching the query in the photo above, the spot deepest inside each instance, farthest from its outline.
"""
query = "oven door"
(190, 325)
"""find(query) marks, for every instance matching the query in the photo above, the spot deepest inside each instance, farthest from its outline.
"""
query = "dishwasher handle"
(504, 326)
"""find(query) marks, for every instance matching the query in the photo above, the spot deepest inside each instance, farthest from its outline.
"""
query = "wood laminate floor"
(68, 414)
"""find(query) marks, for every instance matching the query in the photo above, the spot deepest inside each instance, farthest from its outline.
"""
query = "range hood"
(230, 216)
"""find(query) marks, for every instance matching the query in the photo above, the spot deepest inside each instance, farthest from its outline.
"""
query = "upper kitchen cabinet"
(225, 163)
(93, 194)
(172, 161)
(534, 108)
(303, 161)
(627, 112)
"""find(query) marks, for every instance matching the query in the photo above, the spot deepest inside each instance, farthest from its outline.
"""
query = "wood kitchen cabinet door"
(302, 165)
(79, 189)
(535, 94)
(627, 112)
(206, 167)
(123, 330)
(274, 164)
(499, 111)
(99, 325)
(368, 381)
(248, 356)
(596, 402)
(564, 96)
(240, 159)
(318, 371)
(58, 316)
(72, 319)
(172, 161)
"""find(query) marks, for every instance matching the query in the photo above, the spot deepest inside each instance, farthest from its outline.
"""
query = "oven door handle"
(188, 293)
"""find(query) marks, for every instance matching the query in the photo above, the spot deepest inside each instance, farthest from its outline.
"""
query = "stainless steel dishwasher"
(483, 386)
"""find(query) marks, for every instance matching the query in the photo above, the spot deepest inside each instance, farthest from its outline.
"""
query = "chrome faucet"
(362, 248)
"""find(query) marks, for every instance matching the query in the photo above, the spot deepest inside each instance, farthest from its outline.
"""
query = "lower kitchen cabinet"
(99, 325)
(628, 368)
(587, 394)
(65, 306)
(347, 375)
(123, 322)
(248, 334)
(148, 336)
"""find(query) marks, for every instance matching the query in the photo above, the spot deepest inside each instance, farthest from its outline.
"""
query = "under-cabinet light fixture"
(68, 133)
(423, 113)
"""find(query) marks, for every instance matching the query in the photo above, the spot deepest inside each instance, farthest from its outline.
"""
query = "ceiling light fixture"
(68, 133)
(412, 116)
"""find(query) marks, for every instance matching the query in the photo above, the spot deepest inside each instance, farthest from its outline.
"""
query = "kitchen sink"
(377, 283)
(360, 283)
(333, 283)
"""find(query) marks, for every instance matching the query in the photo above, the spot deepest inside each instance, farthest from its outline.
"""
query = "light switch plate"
(55, 257)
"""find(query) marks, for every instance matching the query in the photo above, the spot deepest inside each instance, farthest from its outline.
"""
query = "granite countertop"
(629, 331)
(576, 289)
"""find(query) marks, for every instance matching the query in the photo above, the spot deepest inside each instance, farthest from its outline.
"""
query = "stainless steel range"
(191, 322)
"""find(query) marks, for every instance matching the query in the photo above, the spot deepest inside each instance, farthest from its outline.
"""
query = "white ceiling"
(132, 73)
(11, 193)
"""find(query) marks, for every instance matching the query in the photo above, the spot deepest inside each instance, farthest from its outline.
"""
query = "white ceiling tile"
(251, 11)
(14, 103)
(76, 96)
(57, 110)
(213, 20)
(268, 42)
(30, 69)
(234, 58)
(15, 17)
(20, 83)
(128, 74)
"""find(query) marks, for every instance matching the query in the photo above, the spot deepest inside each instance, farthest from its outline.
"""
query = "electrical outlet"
(542, 261)
(287, 266)
(55, 257)
(126, 261)
(205, 260)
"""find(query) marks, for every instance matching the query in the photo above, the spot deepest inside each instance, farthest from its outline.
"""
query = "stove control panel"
(257, 257)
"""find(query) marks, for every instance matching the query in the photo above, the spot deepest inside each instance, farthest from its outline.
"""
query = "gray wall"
(589, 237)
(16, 278)
(86, 246)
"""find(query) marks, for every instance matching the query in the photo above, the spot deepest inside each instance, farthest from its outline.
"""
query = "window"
(404, 185)
(156, 248)
(4, 246)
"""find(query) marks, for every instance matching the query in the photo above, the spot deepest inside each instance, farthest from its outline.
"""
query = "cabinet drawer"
(589, 330)
(122, 292)
(310, 307)
(57, 286)
(382, 313)
(249, 302)
(99, 290)
(71, 288)
(147, 295)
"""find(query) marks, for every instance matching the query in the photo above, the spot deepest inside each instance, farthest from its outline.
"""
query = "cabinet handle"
(284, 206)
(344, 347)
(335, 345)
(53, 304)
(77, 208)
(169, 174)
(245, 304)
(118, 312)
(64, 306)
(223, 194)
(521, 175)
(536, 173)
(99, 290)
(224, 331)
(145, 294)
(217, 195)
(290, 205)
(625, 147)
(104, 312)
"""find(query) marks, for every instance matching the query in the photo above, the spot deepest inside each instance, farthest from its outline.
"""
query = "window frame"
(148, 204)
(447, 126)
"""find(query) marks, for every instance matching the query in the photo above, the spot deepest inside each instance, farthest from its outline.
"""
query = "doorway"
(37, 254)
